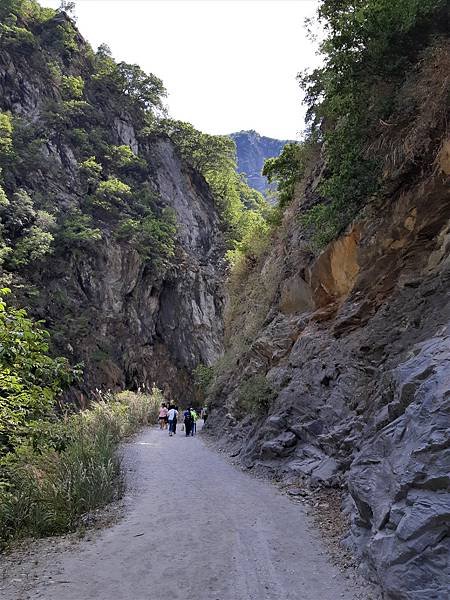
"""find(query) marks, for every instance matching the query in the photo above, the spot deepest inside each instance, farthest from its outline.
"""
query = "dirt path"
(195, 528)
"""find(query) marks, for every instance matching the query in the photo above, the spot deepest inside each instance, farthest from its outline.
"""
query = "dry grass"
(252, 290)
(74, 470)
(417, 126)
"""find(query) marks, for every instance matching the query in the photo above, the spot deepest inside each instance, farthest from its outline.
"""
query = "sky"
(227, 65)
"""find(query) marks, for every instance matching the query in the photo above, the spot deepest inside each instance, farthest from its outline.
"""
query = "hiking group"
(168, 419)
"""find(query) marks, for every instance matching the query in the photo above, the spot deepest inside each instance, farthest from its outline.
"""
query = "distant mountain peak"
(252, 150)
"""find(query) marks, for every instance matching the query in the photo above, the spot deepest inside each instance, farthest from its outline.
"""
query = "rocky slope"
(346, 357)
(252, 150)
(106, 301)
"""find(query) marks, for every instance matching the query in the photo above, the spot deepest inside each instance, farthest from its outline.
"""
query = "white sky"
(227, 64)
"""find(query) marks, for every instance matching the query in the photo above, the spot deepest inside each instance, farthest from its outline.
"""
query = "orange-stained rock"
(444, 157)
(335, 271)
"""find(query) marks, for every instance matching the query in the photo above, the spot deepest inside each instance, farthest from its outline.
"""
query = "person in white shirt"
(172, 418)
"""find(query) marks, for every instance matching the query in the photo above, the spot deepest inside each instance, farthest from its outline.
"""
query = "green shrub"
(34, 245)
(27, 9)
(369, 48)
(18, 37)
(122, 159)
(91, 169)
(255, 395)
(3, 198)
(325, 222)
(6, 132)
(111, 194)
(287, 169)
(77, 230)
(203, 378)
(72, 87)
(30, 380)
(152, 237)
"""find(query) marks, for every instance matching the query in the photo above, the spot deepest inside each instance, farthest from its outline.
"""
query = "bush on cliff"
(368, 50)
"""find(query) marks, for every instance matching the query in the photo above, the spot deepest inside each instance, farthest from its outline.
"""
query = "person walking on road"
(194, 417)
(175, 421)
(187, 421)
(163, 416)
(172, 418)
(204, 414)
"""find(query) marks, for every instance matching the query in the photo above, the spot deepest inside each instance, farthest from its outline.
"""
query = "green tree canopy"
(30, 380)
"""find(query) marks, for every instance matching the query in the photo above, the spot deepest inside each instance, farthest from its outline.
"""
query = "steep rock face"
(128, 326)
(252, 150)
(104, 302)
(355, 343)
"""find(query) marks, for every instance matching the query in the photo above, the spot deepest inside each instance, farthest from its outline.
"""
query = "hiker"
(175, 421)
(204, 414)
(187, 421)
(163, 416)
(172, 418)
(194, 417)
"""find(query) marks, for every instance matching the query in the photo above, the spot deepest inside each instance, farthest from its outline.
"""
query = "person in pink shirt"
(163, 416)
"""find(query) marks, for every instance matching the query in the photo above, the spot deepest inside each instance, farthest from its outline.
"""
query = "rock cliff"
(106, 300)
(345, 358)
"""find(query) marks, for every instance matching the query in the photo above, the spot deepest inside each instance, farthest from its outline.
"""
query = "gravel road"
(194, 528)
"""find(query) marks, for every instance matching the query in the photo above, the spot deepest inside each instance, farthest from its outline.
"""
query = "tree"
(67, 6)
(6, 138)
(32, 246)
(286, 169)
(30, 381)
(203, 151)
(18, 214)
(145, 90)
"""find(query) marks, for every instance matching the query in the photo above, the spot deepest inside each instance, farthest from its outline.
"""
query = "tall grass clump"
(69, 466)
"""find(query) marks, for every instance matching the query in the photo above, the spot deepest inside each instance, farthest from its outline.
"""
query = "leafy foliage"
(287, 169)
(368, 48)
(25, 231)
(30, 381)
(203, 377)
(6, 130)
(255, 395)
(134, 89)
(72, 87)
(111, 193)
(77, 230)
(153, 238)
(91, 169)
(244, 211)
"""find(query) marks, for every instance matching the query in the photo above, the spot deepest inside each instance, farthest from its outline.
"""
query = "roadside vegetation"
(55, 464)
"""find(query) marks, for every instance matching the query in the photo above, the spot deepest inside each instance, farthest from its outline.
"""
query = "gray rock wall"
(356, 346)
(104, 304)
